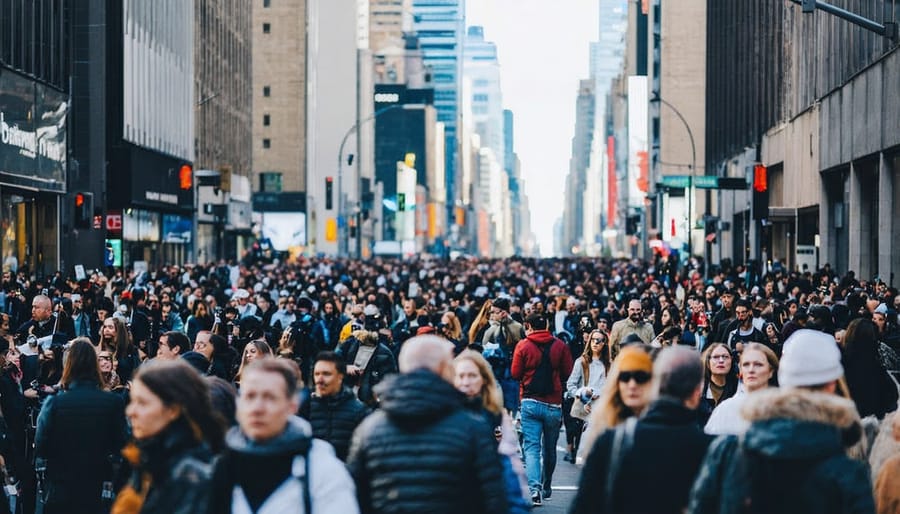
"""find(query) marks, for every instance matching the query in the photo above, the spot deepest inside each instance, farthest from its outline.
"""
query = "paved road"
(565, 481)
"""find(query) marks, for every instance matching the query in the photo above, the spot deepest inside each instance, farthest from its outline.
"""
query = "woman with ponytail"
(176, 435)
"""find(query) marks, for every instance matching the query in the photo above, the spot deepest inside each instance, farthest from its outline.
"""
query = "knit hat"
(810, 358)
(634, 359)
(502, 304)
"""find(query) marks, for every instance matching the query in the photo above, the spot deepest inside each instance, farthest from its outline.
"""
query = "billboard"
(638, 170)
(32, 133)
(284, 229)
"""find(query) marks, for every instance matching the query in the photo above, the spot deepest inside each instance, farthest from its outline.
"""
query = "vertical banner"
(612, 189)
(638, 179)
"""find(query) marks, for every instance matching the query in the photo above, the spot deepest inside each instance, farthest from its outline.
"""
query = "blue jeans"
(540, 431)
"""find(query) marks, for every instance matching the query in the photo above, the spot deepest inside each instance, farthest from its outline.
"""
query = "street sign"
(682, 181)
(732, 183)
(706, 182)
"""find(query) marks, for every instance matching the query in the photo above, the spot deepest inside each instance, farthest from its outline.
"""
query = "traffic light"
(710, 224)
(185, 177)
(329, 193)
(84, 210)
(760, 192)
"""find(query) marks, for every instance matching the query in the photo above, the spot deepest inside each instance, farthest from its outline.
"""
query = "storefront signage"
(161, 197)
(32, 133)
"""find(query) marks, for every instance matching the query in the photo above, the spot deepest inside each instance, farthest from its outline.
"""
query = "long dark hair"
(81, 364)
(588, 355)
(177, 383)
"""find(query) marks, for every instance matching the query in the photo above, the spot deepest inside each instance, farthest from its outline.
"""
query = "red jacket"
(527, 356)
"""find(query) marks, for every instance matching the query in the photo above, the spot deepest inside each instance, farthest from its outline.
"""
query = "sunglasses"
(641, 377)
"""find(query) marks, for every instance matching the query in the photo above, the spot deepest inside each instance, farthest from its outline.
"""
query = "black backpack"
(541, 383)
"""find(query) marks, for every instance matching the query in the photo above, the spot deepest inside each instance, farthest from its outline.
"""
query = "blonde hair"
(480, 321)
(454, 326)
(609, 410)
(491, 397)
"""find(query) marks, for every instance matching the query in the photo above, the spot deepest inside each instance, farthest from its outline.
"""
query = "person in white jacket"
(758, 369)
(271, 463)
(586, 380)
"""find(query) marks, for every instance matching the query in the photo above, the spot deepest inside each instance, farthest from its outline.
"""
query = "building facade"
(823, 122)
(224, 131)
(280, 94)
(150, 129)
(34, 117)
(439, 26)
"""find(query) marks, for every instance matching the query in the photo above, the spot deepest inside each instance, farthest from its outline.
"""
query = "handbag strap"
(623, 440)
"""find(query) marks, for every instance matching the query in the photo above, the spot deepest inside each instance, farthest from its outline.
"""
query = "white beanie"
(810, 358)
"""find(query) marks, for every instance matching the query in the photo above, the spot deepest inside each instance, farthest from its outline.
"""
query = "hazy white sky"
(543, 49)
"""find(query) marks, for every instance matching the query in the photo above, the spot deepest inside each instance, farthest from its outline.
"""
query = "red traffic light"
(760, 182)
(185, 177)
(79, 200)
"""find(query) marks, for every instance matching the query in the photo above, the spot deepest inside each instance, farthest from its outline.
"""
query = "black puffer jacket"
(423, 452)
(333, 419)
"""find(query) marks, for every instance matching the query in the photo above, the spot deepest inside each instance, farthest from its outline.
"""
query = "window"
(267, 3)
(267, 28)
(267, 91)
(267, 143)
(267, 120)
(270, 182)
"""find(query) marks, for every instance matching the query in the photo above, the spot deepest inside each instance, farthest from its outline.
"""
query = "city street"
(565, 482)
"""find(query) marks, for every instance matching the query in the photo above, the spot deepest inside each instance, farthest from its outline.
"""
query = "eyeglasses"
(720, 357)
(641, 377)
(597, 340)
(104, 358)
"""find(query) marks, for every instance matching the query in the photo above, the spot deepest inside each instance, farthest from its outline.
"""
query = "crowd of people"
(330, 385)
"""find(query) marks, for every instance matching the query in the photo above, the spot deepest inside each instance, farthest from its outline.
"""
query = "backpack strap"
(303, 476)
(623, 440)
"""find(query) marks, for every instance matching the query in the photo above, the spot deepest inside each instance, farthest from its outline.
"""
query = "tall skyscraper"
(482, 67)
(439, 25)
(224, 124)
(279, 116)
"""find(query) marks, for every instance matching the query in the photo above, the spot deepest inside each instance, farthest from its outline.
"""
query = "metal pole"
(888, 30)
(344, 236)
(690, 191)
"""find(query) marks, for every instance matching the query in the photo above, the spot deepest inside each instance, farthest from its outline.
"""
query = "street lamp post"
(344, 243)
(690, 134)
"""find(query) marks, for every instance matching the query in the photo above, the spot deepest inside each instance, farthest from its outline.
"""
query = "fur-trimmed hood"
(801, 405)
(800, 424)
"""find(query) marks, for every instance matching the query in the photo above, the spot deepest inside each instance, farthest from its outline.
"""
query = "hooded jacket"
(423, 452)
(527, 358)
(791, 459)
(266, 478)
(334, 418)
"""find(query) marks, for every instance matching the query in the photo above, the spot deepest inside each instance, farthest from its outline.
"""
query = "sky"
(543, 48)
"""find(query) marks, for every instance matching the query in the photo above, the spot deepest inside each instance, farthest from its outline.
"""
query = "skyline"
(543, 130)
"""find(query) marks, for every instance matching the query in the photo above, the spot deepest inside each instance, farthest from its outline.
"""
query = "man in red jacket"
(541, 363)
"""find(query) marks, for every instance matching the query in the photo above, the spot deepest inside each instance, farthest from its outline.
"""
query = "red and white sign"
(114, 222)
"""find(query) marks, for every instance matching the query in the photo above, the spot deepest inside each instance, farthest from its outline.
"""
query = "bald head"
(426, 352)
(41, 308)
(635, 310)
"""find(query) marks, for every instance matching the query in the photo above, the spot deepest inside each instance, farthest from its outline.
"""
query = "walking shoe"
(536, 499)
(547, 493)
